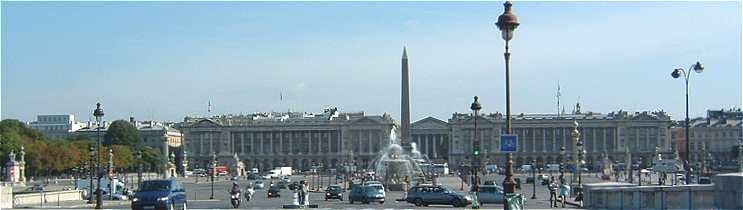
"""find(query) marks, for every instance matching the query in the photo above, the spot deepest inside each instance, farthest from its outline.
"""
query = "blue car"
(166, 194)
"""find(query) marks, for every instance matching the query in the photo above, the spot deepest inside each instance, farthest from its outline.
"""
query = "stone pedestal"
(728, 191)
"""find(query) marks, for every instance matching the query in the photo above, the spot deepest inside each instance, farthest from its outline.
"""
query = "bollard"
(57, 199)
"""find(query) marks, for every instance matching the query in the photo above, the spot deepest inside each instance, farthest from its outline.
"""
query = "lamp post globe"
(507, 22)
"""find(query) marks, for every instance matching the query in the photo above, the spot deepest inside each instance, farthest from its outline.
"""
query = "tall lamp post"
(110, 171)
(562, 163)
(98, 113)
(534, 179)
(476, 153)
(507, 23)
(214, 173)
(686, 73)
(91, 166)
(139, 168)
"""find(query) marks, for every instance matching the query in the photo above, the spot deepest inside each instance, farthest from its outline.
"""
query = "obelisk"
(405, 109)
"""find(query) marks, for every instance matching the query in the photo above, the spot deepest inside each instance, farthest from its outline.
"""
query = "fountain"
(397, 168)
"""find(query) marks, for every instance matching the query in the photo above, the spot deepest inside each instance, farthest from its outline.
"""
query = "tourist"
(553, 192)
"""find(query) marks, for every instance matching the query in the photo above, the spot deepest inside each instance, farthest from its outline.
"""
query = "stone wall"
(6, 197)
(47, 197)
(622, 196)
(728, 191)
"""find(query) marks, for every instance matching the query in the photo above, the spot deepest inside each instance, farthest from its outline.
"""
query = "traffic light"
(476, 152)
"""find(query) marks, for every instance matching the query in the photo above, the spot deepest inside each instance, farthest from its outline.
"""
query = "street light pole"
(214, 172)
(475, 106)
(562, 164)
(507, 23)
(139, 168)
(110, 171)
(676, 74)
(534, 178)
(98, 113)
(91, 166)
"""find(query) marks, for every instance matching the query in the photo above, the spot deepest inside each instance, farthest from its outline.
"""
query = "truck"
(284, 171)
(278, 172)
(221, 171)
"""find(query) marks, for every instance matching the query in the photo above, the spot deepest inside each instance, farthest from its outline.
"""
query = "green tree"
(123, 133)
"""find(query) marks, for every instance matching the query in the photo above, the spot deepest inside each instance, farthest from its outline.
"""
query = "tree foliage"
(123, 133)
(57, 156)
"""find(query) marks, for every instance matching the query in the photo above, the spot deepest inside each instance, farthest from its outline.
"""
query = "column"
(369, 140)
(544, 139)
(251, 136)
(281, 142)
(329, 142)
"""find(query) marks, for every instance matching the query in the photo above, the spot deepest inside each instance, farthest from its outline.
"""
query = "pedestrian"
(564, 192)
(300, 192)
(305, 194)
(553, 192)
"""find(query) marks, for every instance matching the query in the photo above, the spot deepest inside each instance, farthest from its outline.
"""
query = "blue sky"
(166, 60)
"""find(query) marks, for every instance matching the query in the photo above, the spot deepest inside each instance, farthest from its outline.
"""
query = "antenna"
(558, 98)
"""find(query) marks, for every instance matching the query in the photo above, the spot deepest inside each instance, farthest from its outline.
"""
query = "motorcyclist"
(235, 188)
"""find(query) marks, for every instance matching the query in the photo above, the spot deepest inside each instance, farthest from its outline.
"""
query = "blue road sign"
(508, 142)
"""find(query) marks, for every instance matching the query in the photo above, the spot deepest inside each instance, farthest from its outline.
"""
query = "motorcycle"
(235, 199)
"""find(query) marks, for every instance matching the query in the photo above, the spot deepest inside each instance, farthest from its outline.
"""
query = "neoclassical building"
(540, 136)
(716, 135)
(298, 140)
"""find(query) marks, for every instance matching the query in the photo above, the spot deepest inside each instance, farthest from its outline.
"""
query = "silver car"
(259, 185)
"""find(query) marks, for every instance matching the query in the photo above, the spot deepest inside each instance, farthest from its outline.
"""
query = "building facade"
(56, 126)
(300, 140)
(431, 138)
(712, 138)
(540, 136)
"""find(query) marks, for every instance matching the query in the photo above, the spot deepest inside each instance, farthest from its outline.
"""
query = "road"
(199, 193)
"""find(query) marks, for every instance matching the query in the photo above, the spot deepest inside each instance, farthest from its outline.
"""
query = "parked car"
(259, 185)
(424, 195)
(491, 194)
(334, 192)
(365, 194)
(160, 194)
(274, 191)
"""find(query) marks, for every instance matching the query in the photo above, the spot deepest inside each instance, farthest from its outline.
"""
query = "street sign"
(508, 142)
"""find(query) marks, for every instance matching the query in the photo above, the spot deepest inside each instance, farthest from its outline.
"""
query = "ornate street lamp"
(214, 173)
(685, 73)
(110, 171)
(476, 153)
(139, 168)
(534, 179)
(562, 163)
(98, 113)
(507, 23)
(91, 166)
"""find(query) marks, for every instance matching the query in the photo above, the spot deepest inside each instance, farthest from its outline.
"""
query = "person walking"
(564, 192)
(553, 192)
